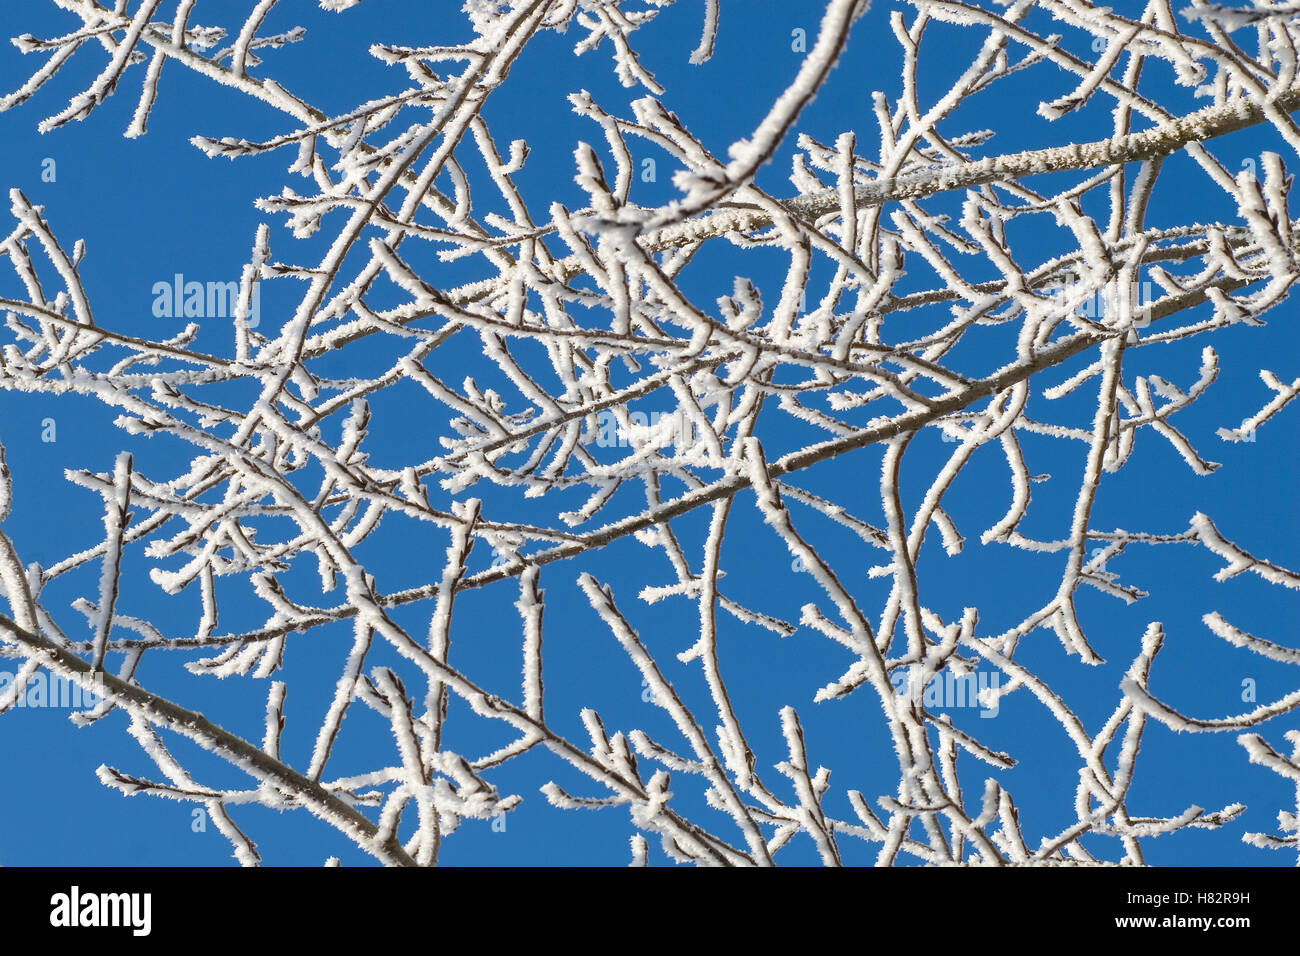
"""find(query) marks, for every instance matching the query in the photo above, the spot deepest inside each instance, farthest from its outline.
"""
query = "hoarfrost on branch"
(915, 305)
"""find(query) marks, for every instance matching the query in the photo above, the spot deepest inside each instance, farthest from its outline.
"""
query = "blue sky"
(156, 206)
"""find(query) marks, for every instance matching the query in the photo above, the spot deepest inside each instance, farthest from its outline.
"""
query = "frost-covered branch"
(913, 310)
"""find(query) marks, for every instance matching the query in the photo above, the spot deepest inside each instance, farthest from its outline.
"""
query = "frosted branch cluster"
(614, 406)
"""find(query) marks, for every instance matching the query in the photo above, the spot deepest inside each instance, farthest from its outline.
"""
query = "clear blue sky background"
(156, 206)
